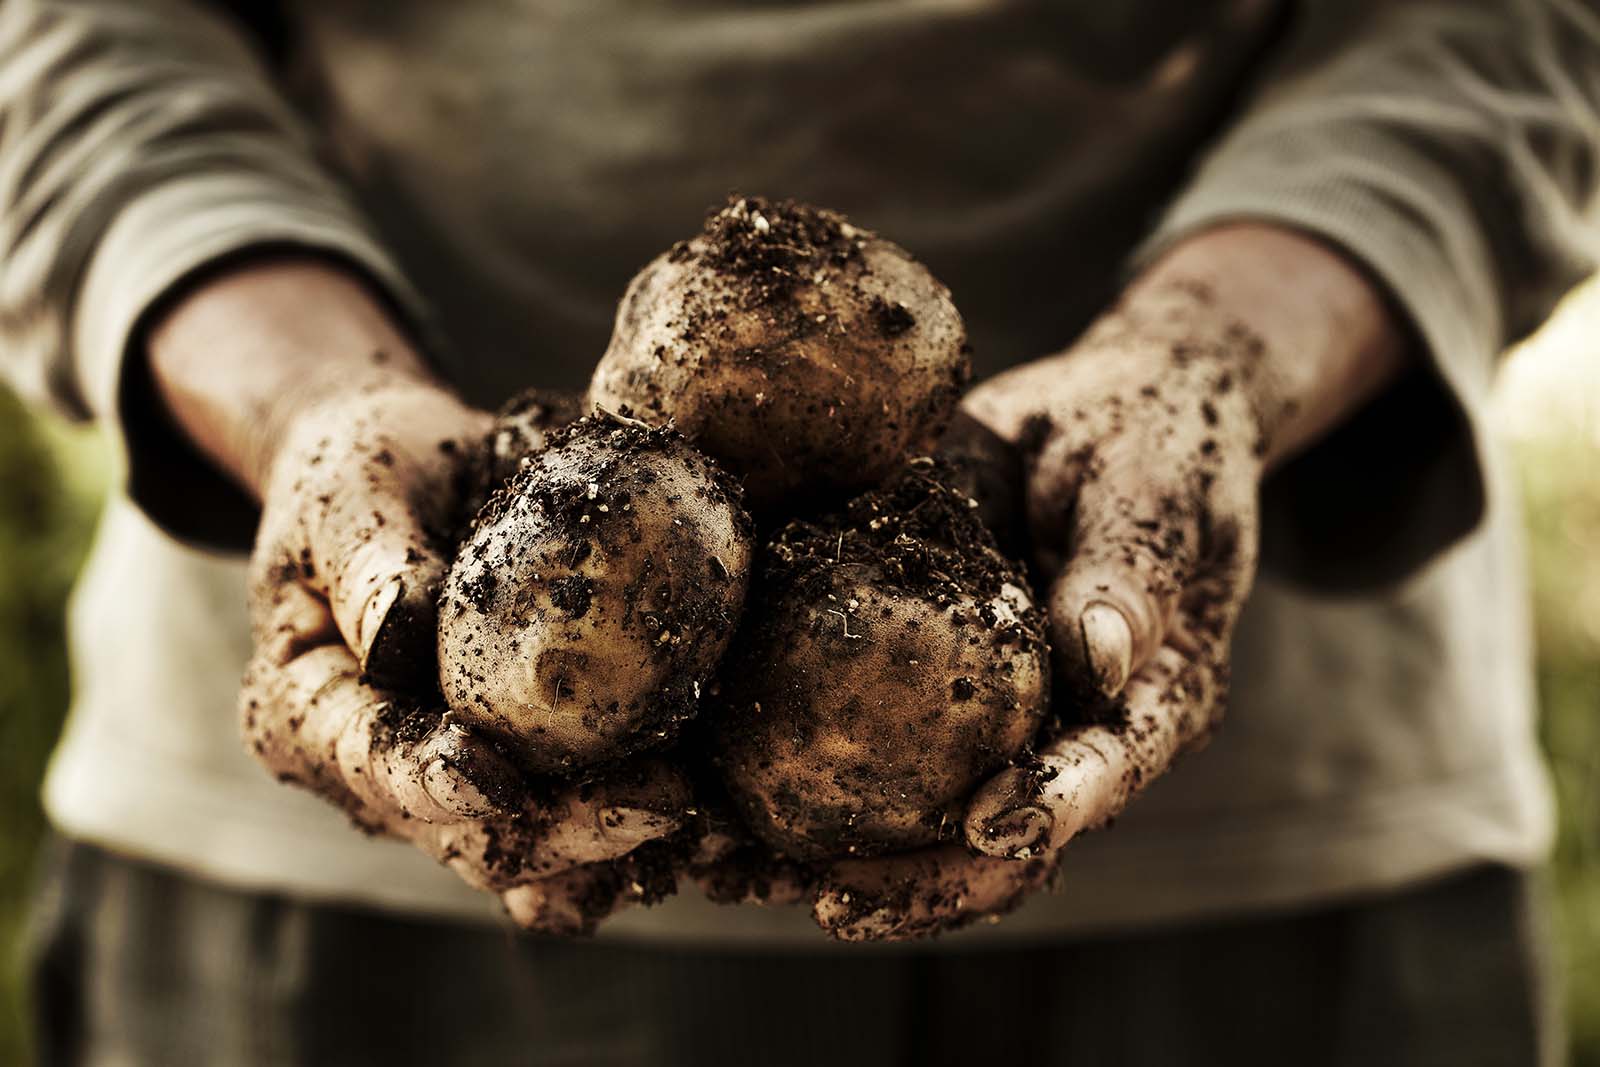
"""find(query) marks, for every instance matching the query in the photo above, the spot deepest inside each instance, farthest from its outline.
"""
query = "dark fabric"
(265, 22)
(136, 964)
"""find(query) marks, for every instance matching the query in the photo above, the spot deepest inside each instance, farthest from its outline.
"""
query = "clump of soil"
(764, 252)
(893, 319)
(771, 245)
(921, 535)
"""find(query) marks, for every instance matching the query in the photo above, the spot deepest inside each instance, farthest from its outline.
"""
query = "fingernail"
(832, 910)
(1018, 833)
(376, 613)
(454, 792)
(845, 919)
(465, 777)
(537, 912)
(879, 922)
(1107, 646)
(634, 826)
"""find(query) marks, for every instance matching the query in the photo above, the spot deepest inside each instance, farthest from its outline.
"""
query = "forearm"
(238, 356)
(1306, 334)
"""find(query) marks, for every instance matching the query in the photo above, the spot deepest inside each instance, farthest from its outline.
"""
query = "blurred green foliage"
(1563, 513)
(50, 487)
(51, 479)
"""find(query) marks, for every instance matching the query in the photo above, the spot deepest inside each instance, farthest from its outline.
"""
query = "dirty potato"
(892, 659)
(595, 595)
(809, 356)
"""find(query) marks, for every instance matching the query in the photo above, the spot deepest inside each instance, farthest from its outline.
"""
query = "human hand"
(1144, 448)
(1143, 459)
(365, 469)
(356, 520)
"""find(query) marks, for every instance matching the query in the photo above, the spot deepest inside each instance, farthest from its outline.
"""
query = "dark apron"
(132, 963)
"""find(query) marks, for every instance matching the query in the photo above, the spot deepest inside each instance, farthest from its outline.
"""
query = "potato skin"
(595, 595)
(867, 742)
(808, 356)
(864, 701)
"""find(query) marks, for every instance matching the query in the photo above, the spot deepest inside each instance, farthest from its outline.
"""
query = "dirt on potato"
(770, 248)
(808, 355)
(586, 612)
(891, 659)
(918, 531)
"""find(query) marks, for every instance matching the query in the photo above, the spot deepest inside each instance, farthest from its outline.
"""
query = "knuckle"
(468, 850)
(255, 709)
(1154, 535)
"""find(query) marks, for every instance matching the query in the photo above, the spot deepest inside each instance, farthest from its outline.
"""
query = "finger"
(314, 720)
(309, 716)
(730, 871)
(1132, 549)
(989, 471)
(579, 826)
(576, 901)
(1087, 776)
(371, 577)
(381, 572)
(295, 622)
(358, 515)
(919, 894)
(571, 904)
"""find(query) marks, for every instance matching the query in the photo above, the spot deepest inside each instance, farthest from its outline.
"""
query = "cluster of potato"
(748, 530)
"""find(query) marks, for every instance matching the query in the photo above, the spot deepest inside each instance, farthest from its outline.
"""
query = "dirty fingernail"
(375, 613)
(844, 921)
(1107, 646)
(1018, 833)
(453, 791)
(879, 922)
(538, 912)
(634, 826)
(832, 909)
(466, 777)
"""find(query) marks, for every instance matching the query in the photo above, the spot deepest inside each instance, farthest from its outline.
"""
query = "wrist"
(243, 356)
(1168, 363)
(1303, 331)
(401, 412)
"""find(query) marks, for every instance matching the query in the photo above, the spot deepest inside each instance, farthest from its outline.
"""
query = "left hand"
(1144, 449)
(1145, 446)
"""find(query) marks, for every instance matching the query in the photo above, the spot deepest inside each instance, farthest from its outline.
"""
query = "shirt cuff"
(1401, 480)
(158, 244)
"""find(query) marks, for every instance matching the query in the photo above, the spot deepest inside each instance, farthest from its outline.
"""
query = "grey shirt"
(514, 161)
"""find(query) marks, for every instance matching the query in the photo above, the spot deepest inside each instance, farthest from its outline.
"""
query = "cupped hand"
(360, 504)
(1142, 450)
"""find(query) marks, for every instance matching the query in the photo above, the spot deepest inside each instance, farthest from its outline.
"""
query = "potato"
(808, 356)
(984, 467)
(523, 426)
(595, 595)
(892, 659)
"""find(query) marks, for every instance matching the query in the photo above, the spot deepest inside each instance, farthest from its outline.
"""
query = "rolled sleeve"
(1445, 150)
(142, 145)
(159, 243)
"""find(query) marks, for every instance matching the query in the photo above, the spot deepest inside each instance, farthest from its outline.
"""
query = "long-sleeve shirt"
(499, 168)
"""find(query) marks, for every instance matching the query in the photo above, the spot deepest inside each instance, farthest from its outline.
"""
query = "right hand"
(288, 375)
(358, 509)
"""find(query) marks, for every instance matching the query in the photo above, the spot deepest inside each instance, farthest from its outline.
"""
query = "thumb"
(384, 577)
(1114, 599)
(371, 545)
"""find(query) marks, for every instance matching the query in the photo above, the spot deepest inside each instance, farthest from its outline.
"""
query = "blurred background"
(1548, 409)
